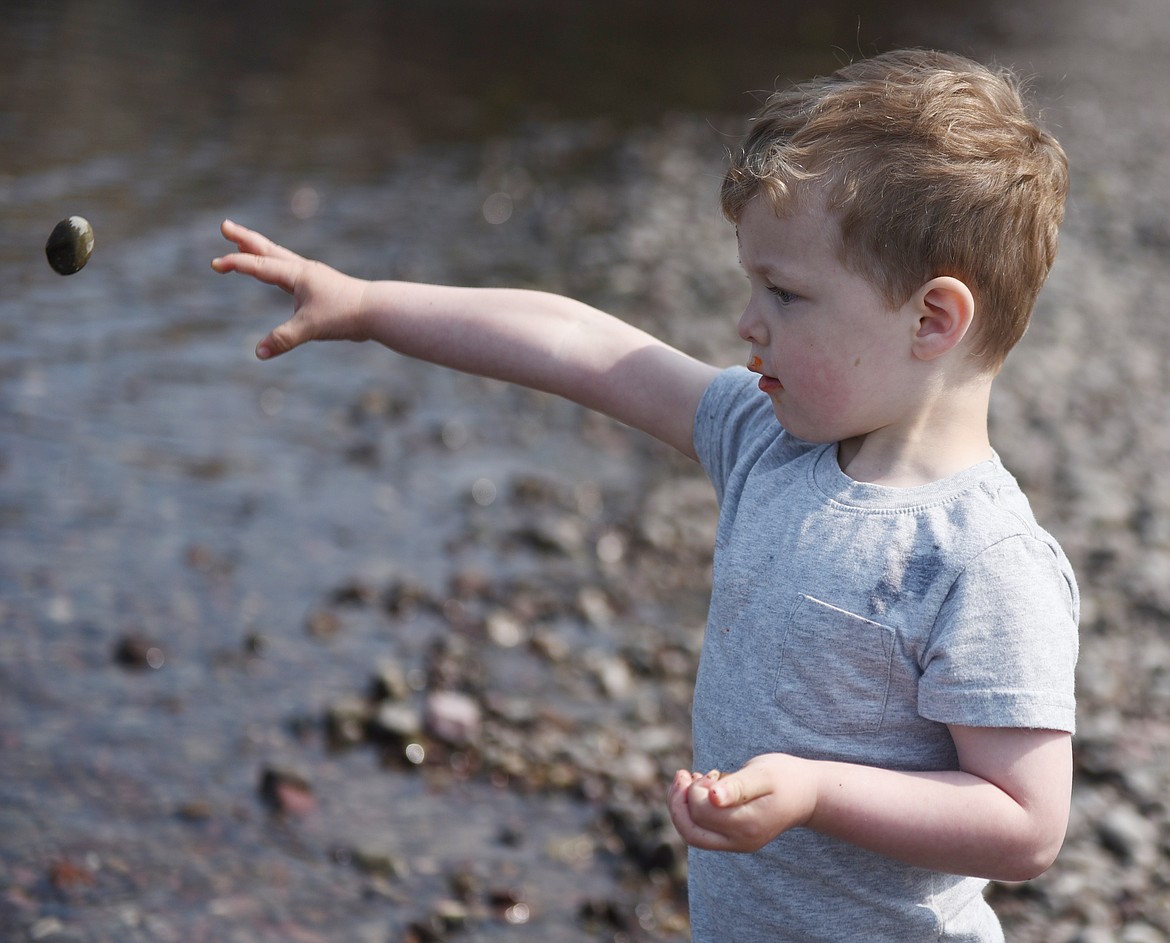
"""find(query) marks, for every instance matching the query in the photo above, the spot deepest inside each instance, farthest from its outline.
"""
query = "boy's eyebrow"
(770, 269)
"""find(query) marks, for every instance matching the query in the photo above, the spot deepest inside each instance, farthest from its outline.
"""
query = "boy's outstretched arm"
(535, 339)
(1002, 816)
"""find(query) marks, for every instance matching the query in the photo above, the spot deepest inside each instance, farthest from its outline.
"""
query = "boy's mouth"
(767, 384)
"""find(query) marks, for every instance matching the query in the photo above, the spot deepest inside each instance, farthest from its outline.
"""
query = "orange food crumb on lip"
(755, 363)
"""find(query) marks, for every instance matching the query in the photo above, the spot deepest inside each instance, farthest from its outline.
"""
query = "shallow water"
(156, 481)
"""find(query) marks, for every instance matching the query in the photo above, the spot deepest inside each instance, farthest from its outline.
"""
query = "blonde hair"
(932, 166)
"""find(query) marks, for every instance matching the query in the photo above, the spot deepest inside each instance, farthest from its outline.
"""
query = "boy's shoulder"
(990, 536)
(998, 505)
(735, 425)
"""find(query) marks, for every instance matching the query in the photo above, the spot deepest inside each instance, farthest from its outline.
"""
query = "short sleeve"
(1004, 649)
(734, 421)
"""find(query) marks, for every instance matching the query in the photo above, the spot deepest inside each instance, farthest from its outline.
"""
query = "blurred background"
(205, 561)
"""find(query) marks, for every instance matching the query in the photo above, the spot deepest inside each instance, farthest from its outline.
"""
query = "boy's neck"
(947, 436)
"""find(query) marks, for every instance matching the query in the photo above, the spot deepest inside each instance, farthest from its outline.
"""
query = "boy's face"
(830, 352)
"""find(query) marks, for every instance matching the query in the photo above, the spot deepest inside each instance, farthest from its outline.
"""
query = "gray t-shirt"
(853, 622)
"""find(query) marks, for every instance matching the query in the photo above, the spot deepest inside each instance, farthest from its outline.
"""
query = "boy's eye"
(785, 297)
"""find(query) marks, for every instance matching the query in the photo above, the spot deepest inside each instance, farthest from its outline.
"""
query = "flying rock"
(70, 245)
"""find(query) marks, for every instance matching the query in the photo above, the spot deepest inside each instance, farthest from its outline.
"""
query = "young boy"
(887, 673)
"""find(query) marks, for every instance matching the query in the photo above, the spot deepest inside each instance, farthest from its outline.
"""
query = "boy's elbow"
(1031, 858)
(1025, 868)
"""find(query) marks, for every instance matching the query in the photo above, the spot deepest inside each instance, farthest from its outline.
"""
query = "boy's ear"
(945, 309)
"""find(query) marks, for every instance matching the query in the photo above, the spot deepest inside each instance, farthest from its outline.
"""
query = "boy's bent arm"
(531, 338)
(1002, 816)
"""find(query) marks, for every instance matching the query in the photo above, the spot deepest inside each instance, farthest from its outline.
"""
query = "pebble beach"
(346, 648)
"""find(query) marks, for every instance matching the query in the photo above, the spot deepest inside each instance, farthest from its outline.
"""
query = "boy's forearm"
(545, 342)
(509, 334)
(944, 821)
(1003, 815)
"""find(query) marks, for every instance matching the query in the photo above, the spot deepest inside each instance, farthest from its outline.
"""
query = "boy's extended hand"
(327, 303)
(744, 810)
(535, 339)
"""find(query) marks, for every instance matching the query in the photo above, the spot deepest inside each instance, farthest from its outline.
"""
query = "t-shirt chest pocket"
(834, 672)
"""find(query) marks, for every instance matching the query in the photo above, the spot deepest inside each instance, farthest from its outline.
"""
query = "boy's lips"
(767, 384)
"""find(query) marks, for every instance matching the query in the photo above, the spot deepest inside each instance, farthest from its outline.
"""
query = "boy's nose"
(750, 328)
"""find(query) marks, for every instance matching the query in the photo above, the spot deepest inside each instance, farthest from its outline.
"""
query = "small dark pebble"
(607, 913)
(403, 600)
(424, 931)
(70, 245)
(197, 810)
(134, 651)
(377, 862)
(503, 897)
(389, 682)
(353, 594)
(464, 884)
(363, 453)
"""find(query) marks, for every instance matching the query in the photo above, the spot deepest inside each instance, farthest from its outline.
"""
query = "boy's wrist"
(826, 783)
(363, 317)
(813, 774)
(372, 311)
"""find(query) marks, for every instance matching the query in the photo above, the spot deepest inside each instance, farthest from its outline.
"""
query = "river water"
(158, 484)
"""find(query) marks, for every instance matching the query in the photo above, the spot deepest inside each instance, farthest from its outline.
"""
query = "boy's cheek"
(827, 386)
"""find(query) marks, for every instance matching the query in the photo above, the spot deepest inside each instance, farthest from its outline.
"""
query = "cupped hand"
(327, 303)
(744, 810)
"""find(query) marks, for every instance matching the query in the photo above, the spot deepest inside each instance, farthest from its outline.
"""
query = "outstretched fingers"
(282, 273)
(254, 243)
(259, 257)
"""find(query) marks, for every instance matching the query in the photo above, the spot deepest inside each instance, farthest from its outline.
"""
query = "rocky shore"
(216, 747)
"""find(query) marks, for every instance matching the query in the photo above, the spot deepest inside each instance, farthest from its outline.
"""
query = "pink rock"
(453, 717)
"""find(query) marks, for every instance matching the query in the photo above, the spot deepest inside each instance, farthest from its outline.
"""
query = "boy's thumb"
(280, 341)
(739, 787)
